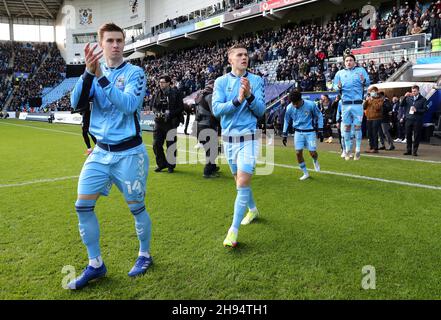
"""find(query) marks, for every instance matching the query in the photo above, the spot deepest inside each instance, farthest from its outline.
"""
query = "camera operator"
(167, 106)
(207, 129)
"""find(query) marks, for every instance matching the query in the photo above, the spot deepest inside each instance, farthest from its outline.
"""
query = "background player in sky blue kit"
(307, 121)
(239, 100)
(351, 83)
(117, 91)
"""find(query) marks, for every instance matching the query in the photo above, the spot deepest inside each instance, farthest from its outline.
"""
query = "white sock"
(143, 254)
(233, 229)
(253, 209)
(96, 262)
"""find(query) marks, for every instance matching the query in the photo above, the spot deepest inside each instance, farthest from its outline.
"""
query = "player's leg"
(341, 140)
(346, 128)
(94, 180)
(358, 119)
(130, 176)
(252, 149)
(312, 147)
(301, 142)
(246, 155)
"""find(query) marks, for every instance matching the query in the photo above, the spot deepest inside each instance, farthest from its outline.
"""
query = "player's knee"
(85, 204)
(357, 127)
(347, 128)
(243, 180)
(136, 207)
(88, 196)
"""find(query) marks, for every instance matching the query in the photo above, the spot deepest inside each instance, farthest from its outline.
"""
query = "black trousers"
(211, 148)
(327, 129)
(187, 120)
(401, 130)
(413, 130)
(159, 136)
(86, 135)
(373, 126)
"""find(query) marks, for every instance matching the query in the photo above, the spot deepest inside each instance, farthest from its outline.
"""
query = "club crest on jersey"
(120, 82)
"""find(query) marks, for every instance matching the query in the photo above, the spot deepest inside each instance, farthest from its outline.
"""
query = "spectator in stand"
(374, 32)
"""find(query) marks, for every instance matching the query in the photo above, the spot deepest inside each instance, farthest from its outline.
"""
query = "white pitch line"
(26, 183)
(38, 128)
(403, 183)
(394, 158)
(36, 182)
(354, 176)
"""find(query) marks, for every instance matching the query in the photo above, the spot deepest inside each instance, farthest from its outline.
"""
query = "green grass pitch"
(311, 242)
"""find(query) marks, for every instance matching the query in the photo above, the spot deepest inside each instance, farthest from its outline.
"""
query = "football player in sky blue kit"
(239, 100)
(351, 83)
(307, 121)
(117, 91)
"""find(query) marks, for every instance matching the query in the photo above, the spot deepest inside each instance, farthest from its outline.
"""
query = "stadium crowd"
(301, 49)
(47, 73)
(201, 14)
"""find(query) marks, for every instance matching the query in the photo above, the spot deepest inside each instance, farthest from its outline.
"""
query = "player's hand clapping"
(92, 59)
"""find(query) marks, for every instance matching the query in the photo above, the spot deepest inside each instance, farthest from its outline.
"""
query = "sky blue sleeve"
(83, 90)
(335, 81)
(367, 82)
(338, 117)
(287, 120)
(318, 117)
(219, 101)
(257, 99)
(129, 100)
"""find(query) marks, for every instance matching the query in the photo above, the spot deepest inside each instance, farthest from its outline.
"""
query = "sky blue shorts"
(128, 170)
(352, 114)
(305, 140)
(242, 155)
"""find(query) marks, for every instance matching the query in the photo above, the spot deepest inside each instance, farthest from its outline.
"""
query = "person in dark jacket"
(401, 128)
(415, 106)
(207, 128)
(386, 122)
(328, 115)
(167, 106)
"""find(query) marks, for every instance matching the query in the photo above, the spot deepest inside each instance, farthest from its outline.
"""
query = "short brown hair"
(416, 87)
(237, 46)
(109, 27)
(373, 89)
(295, 96)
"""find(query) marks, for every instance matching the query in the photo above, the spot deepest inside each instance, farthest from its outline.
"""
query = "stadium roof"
(46, 9)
